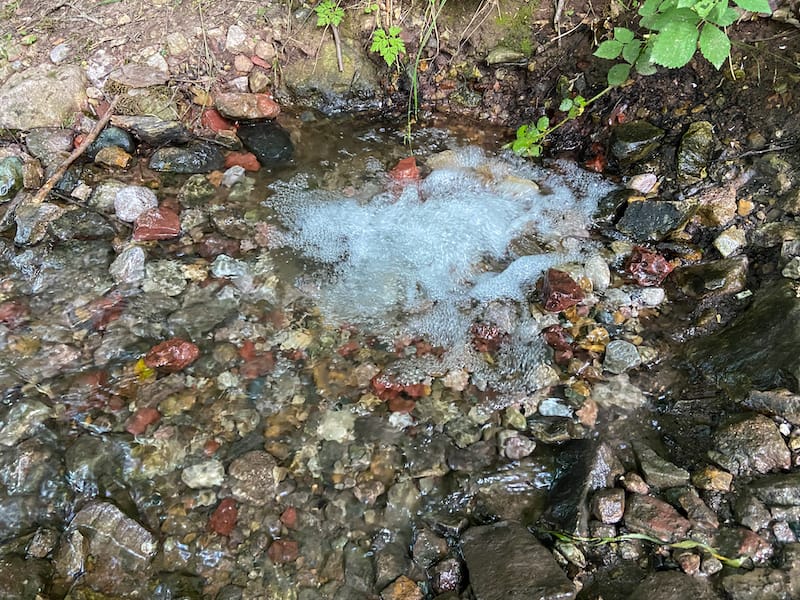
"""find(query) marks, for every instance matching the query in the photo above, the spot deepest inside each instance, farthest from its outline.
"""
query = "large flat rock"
(506, 562)
(42, 96)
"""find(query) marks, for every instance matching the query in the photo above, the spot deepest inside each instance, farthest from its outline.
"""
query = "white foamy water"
(428, 262)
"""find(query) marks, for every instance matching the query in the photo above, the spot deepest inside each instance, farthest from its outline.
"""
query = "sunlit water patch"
(430, 259)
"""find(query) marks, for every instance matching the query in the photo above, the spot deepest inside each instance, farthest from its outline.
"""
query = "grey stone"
(759, 348)
(694, 151)
(621, 356)
(33, 221)
(715, 278)
(49, 144)
(673, 585)
(781, 403)
(21, 579)
(505, 562)
(652, 220)
(730, 241)
(779, 489)
(164, 276)
(448, 576)
(202, 310)
(22, 420)
(761, 584)
(132, 200)
(659, 472)
(428, 548)
(206, 474)
(316, 82)
(687, 498)
(751, 512)
(618, 392)
(750, 445)
(792, 269)
(608, 505)
(128, 267)
(82, 224)
(153, 131)
(359, 572)
(11, 177)
(117, 548)
(42, 96)
(252, 479)
(194, 158)
(634, 141)
(583, 466)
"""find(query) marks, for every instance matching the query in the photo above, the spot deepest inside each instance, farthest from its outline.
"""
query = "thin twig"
(338, 43)
(62, 169)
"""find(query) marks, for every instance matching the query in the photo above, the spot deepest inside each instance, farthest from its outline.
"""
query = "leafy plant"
(529, 140)
(687, 544)
(329, 13)
(678, 28)
(388, 45)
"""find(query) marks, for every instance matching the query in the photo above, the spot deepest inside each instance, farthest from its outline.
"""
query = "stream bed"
(358, 375)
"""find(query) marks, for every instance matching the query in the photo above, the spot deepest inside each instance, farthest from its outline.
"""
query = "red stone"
(213, 245)
(648, 268)
(348, 348)
(258, 366)
(157, 224)
(210, 447)
(560, 340)
(289, 517)
(247, 160)
(257, 60)
(387, 388)
(143, 417)
(487, 338)
(267, 106)
(13, 313)
(401, 405)
(598, 162)
(214, 121)
(223, 519)
(405, 171)
(559, 291)
(283, 551)
(248, 350)
(172, 356)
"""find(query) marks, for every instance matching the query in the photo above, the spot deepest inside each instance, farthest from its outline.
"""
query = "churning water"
(430, 259)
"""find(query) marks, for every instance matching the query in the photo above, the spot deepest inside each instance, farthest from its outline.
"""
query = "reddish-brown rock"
(157, 224)
(283, 551)
(648, 268)
(405, 171)
(214, 121)
(236, 105)
(655, 518)
(13, 313)
(140, 420)
(559, 291)
(289, 517)
(172, 356)
(246, 160)
(487, 338)
(224, 517)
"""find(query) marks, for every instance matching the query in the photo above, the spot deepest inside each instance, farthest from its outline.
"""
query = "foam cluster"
(424, 262)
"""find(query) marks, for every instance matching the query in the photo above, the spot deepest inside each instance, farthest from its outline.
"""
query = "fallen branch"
(53, 180)
(338, 43)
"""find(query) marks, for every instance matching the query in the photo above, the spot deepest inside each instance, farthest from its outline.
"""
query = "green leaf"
(394, 31)
(631, 51)
(618, 74)
(644, 65)
(623, 34)
(566, 104)
(658, 21)
(756, 6)
(685, 3)
(649, 7)
(609, 49)
(714, 45)
(675, 45)
(704, 7)
(723, 15)
(543, 123)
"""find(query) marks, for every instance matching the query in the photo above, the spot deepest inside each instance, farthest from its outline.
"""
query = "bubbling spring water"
(465, 245)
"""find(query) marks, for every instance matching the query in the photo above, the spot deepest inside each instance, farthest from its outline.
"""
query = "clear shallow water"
(336, 339)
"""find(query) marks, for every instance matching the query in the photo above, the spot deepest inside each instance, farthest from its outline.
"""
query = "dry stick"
(62, 169)
(338, 44)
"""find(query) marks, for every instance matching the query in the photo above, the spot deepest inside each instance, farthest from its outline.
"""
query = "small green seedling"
(389, 45)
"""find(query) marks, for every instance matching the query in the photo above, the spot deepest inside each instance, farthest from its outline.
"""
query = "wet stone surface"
(286, 382)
